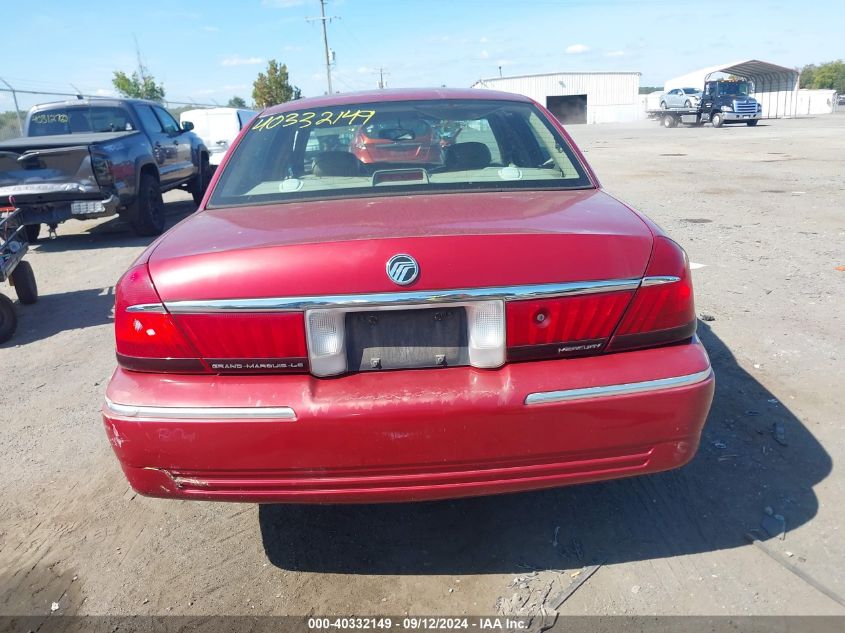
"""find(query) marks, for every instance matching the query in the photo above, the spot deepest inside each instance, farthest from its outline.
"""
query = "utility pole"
(381, 75)
(15, 99)
(324, 20)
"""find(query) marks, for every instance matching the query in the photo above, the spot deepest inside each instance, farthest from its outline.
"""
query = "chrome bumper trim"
(410, 298)
(201, 413)
(546, 397)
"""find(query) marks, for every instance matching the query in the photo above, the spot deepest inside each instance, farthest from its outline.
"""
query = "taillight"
(102, 168)
(562, 327)
(146, 337)
(248, 343)
(662, 310)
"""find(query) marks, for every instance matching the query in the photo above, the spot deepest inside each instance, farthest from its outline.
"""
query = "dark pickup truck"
(91, 158)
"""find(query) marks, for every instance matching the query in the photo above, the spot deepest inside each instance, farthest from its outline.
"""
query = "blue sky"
(209, 50)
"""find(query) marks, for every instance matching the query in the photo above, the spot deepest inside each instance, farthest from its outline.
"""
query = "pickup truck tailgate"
(67, 170)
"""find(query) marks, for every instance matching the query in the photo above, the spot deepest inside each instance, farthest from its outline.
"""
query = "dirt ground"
(763, 209)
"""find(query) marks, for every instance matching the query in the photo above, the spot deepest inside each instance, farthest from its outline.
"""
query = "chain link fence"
(11, 123)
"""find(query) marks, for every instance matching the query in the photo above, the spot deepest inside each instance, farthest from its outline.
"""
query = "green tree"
(274, 87)
(138, 85)
(830, 75)
(236, 102)
(808, 75)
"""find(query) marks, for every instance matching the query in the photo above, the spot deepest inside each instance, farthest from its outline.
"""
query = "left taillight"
(146, 337)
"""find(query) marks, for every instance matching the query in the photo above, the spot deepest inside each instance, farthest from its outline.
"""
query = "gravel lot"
(763, 209)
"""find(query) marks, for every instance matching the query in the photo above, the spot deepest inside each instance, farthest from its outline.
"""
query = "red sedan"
(325, 330)
(396, 141)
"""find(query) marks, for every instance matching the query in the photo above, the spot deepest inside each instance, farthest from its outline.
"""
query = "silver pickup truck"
(91, 158)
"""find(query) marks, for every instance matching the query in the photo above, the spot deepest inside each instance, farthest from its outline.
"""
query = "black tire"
(200, 182)
(669, 121)
(8, 318)
(146, 216)
(663, 105)
(23, 279)
(32, 232)
(687, 104)
(751, 123)
(717, 120)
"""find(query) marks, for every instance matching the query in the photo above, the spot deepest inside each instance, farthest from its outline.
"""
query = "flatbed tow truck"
(723, 101)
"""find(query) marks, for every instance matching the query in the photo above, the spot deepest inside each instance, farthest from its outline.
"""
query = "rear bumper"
(409, 435)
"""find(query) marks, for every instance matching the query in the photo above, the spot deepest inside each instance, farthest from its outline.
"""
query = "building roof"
(749, 68)
(561, 72)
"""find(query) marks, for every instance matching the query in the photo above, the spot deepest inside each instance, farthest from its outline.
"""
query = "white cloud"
(484, 55)
(483, 40)
(237, 60)
(576, 49)
(210, 29)
(104, 92)
(615, 54)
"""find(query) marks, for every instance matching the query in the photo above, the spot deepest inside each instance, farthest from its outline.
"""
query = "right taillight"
(146, 337)
(662, 309)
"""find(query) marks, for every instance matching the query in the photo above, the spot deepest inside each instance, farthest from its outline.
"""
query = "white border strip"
(202, 413)
(545, 397)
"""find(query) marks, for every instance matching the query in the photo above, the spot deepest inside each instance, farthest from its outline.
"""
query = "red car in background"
(396, 141)
(329, 330)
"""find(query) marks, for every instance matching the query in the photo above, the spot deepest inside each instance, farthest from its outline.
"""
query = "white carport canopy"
(775, 87)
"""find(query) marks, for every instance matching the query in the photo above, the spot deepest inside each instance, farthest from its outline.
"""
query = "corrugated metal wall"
(610, 96)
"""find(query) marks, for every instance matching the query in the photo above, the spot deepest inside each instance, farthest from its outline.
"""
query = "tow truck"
(723, 101)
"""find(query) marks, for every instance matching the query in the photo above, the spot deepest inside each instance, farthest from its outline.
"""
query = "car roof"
(399, 94)
(96, 101)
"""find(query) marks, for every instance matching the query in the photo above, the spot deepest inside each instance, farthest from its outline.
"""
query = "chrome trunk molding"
(148, 308)
(408, 298)
(546, 397)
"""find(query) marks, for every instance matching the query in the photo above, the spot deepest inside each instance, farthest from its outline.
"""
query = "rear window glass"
(397, 148)
(79, 120)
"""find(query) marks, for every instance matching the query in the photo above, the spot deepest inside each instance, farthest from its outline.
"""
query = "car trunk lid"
(342, 246)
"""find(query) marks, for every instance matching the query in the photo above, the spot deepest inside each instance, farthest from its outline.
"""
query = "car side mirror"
(187, 126)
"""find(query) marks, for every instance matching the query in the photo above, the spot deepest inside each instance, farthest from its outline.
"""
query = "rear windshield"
(397, 147)
(79, 120)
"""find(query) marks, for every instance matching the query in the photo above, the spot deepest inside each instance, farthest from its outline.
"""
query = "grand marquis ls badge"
(402, 269)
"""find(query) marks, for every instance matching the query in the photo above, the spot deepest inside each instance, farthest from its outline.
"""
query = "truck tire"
(8, 318)
(32, 232)
(717, 119)
(669, 121)
(146, 215)
(200, 182)
(23, 279)
(751, 123)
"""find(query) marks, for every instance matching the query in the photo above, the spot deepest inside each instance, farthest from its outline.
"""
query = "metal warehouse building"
(775, 87)
(577, 97)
